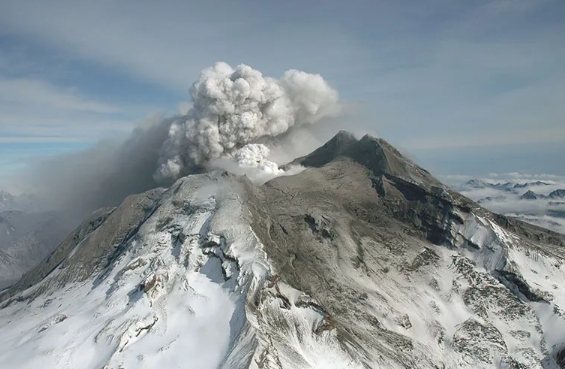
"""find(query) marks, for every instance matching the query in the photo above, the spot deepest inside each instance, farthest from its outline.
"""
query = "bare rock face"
(363, 260)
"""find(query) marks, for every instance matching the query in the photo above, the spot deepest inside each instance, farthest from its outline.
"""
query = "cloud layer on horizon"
(503, 193)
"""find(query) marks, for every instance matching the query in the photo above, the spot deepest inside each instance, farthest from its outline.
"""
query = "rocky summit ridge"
(362, 260)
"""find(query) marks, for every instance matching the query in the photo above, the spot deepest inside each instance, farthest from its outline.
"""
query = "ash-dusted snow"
(177, 298)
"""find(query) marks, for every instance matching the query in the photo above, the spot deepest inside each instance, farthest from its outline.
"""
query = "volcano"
(362, 260)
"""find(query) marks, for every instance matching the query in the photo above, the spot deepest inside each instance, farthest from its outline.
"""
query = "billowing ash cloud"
(230, 108)
(234, 107)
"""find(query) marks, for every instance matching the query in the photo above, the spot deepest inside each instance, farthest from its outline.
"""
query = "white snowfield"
(177, 298)
(194, 289)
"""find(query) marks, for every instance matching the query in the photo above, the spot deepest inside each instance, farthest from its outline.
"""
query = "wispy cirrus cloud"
(26, 92)
(35, 110)
(40, 118)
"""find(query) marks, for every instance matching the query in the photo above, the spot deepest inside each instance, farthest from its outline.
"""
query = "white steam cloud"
(234, 107)
(252, 161)
(255, 156)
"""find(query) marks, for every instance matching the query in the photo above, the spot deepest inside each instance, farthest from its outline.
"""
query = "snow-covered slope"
(176, 296)
(363, 260)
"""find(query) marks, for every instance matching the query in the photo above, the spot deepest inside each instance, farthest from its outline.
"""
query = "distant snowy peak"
(24, 202)
(480, 183)
(530, 195)
(557, 194)
(539, 202)
(506, 186)
(6, 196)
(529, 184)
(7, 200)
(5, 225)
(27, 238)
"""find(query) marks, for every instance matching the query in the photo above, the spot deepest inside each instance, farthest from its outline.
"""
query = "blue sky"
(457, 84)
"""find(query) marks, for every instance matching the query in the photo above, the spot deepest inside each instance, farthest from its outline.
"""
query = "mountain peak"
(557, 194)
(337, 146)
(376, 154)
(6, 196)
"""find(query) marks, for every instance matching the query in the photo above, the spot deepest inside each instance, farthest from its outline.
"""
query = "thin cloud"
(43, 139)
(537, 135)
(186, 36)
(37, 111)
(29, 92)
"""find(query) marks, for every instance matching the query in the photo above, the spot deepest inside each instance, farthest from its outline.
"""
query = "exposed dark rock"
(480, 341)
(515, 281)
(530, 195)
(557, 194)
(560, 358)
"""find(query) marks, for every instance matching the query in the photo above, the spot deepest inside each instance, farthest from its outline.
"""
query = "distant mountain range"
(537, 202)
(7, 201)
(522, 189)
(24, 202)
(27, 235)
(25, 240)
(531, 195)
(507, 186)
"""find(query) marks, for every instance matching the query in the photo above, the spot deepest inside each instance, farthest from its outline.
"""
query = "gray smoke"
(102, 176)
(230, 109)
(234, 107)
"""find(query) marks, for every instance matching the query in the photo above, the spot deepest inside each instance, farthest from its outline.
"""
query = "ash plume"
(101, 176)
(252, 160)
(234, 107)
(230, 108)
